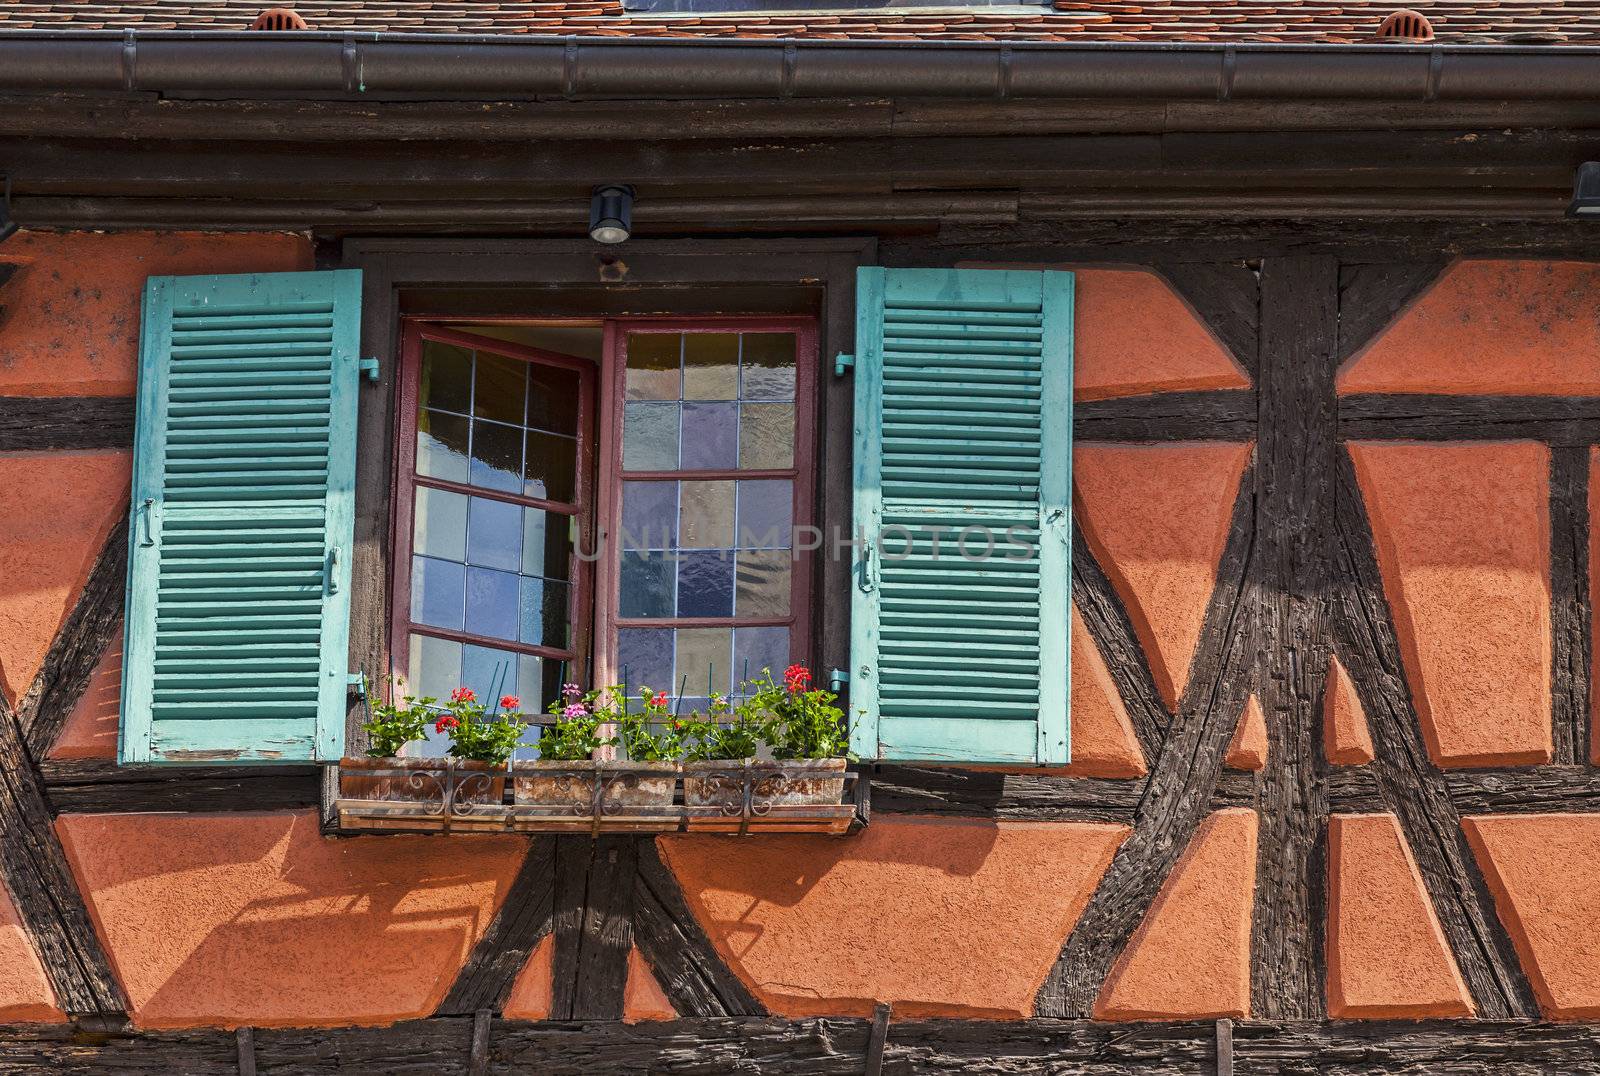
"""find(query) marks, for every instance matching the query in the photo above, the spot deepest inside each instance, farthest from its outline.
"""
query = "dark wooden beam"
(1559, 420)
(1220, 415)
(1571, 617)
(99, 786)
(593, 926)
(944, 790)
(1410, 784)
(1180, 786)
(1526, 790)
(37, 423)
(1226, 295)
(485, 980)
(1371, 296)
(688, 967)
(89, 629)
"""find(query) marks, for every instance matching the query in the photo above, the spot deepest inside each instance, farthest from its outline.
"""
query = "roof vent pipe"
(279, 18)
(1405, 25)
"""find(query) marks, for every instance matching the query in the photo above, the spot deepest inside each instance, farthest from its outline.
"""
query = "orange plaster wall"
(25, 994)
(60, 508)
(1463, 538)
(1544, 873)
(1491, 327)
(1190, 957)
(223, 920)
(642, 996)
(1346, 740)
(1248, 748)
(91, 728)
(1157, 517)
(1134, 334)
(1387, 955)
(1103, 740)
(1594, 601)
(532, 993)
(71, 318)
(939, 917)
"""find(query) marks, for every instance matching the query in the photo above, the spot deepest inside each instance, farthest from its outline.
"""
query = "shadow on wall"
(91, 728)
(258, 919)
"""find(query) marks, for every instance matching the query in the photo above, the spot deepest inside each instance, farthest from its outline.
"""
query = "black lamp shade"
(611, 214)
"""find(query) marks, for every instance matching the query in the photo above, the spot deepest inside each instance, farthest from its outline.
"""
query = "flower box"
(422, 781)
(779, 792)
(580, 786)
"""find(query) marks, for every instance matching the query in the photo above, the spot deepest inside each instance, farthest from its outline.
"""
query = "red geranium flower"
(446, 722)
(509, 702)
(796, 677)
(463, 694)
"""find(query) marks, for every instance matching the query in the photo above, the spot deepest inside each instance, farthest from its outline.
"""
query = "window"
(527, 511)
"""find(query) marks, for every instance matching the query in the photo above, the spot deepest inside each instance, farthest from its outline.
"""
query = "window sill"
(735, 797)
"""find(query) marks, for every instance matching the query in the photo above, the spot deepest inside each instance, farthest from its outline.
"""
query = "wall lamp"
(611, 213)
(1586, 191)
(8, 227)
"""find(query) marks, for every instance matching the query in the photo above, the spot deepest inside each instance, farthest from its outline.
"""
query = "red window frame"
(406, 480)
(802, 473)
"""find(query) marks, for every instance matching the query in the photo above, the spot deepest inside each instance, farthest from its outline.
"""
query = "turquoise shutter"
(963, 419)
(237, 636)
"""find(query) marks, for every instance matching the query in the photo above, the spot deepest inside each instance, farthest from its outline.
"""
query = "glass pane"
(653, 366)
(705, 583)
(437, 592)
(705, 515)
(433, 668)
(442, 446)
(546, 543)
(538, 682)
(766, 513)
(553, 399)
(544, 612)
(767, 366)
(582, 341)
(710, 366)
(495, 673)
(500, 389)
(446, 377)
(644, 657)
(758, 649)
(494, 534)
(766, 436)
(439, 525)
(649, 515)
(704, 656)
(710, 436)
(497, 456)
(650, 437)
(551, 473)
(764, 580)
(646, 585)
(492, 603)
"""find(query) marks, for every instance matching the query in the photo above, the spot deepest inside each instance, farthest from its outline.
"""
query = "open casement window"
(963, 489)
(237, 631)
(491, 513)
(708, 483)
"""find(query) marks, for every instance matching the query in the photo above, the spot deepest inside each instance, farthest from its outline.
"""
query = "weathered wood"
(485, 980)
(89, 629)
(1410, 784)
(1226, 295)
(34, 868)
(37, 423)
(688, 967)
(570, 894)
(1294, 511)
(1219, 415)
(1559, 420)
(1370, 296)
(1180, 785)
(246, 1039)
(1530, 790)
(607, 930)
(1570, 613)
(822, 1047)
(478, 1063)
(95, 786)
(1224, 1047)
(877, 1039)
(1109, 625)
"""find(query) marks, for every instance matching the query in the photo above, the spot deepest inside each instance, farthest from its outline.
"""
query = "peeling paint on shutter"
(963, 425)
(237, 632)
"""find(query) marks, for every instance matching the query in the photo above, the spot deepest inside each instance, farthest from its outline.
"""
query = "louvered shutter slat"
(237, 634)
(963, 420)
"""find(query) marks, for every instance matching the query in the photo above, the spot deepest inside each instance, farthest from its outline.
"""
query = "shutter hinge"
(357, 683)
(843, 364)
(838, 679)
(369, 367)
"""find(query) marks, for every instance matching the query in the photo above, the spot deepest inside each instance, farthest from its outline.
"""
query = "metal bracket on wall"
(358, 685)
(843, 364)
(369, 368)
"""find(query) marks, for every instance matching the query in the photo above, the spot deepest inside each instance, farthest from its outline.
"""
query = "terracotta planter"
(797, 782)
(423, 782)
(569, 786)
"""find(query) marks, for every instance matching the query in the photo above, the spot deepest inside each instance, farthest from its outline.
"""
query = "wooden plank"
(1182, 778)
(95, 786)
(1226, 295)
(1559, 420)
(478, 1064)
(246, 1039)
(524, 917)
(1294, 509)
(1571, 622)
(878, 1039)
(607, 930)
(95, 621)
(1216, 415)
(1371, 296)
(688, 967)
(570, 895)
(1410, 784)
(1530, 790)
(1224, 1047)
(40, 423)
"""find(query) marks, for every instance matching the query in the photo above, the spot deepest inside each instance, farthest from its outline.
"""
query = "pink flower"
(571, 691)
(575, 711)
